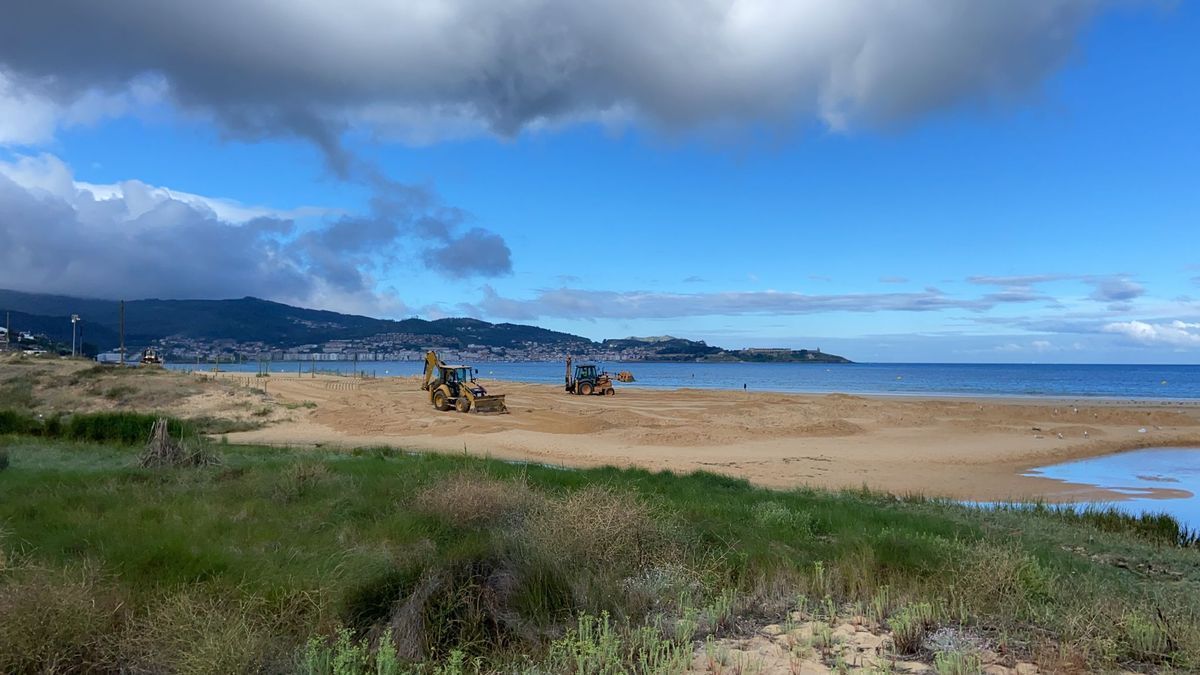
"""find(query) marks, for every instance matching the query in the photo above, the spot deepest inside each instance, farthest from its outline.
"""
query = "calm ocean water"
(1137, 473)
(914, 379)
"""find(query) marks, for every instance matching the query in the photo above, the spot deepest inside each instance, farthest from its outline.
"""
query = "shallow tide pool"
(1138, 473)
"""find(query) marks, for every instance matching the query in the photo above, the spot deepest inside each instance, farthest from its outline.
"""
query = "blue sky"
(1035, 198)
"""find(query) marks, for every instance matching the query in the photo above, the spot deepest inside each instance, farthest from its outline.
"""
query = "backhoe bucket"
(490, 404)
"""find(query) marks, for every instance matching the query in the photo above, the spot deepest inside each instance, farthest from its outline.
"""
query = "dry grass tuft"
(298, 480)
(57, 620)
(188, 633)
(475, 500)
(998, 577)
(601, 528)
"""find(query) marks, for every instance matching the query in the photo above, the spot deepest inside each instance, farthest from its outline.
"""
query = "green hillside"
(256, 320)
(280, 326)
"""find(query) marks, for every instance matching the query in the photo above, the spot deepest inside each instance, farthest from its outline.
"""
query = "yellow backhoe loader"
(456, 387)
(587, 380)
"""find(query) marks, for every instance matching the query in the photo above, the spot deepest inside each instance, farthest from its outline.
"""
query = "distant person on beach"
(743, 386)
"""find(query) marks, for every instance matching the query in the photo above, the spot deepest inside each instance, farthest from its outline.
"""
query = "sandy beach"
(961, 448)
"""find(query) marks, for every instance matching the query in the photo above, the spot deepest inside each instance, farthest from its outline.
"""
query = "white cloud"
(572, 303)
(31, 115)
(49, 175)
(135, 240)
(1174, 333)
(146, 196)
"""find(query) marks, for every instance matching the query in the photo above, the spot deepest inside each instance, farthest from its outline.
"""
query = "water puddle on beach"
(1139, 473)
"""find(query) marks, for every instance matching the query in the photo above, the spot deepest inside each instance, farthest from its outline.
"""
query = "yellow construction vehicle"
(586, 380)
(456, 387)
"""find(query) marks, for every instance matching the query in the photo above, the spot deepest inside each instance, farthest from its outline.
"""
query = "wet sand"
(973, 449)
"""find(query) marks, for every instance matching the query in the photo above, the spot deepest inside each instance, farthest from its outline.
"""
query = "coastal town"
(386, 347)
(403, 347)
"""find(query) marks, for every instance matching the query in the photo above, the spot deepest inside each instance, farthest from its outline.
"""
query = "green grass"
(122, 428)
(288, 560)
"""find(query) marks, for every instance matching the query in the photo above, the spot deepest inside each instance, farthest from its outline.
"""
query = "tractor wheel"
(462, 404)
(610, 392)
(586, 388)
(440, 401)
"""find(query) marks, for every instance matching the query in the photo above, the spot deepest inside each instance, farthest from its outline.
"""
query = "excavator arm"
(432, 362)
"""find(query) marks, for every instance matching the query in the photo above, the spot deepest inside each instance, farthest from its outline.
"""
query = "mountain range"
(279, 326)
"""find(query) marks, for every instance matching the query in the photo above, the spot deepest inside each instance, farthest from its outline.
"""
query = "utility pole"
(122, 334)
(74, 321)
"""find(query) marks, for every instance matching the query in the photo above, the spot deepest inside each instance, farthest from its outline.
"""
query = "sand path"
(960, 448)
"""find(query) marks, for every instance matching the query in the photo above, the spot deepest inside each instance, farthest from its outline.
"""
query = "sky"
(890, 180)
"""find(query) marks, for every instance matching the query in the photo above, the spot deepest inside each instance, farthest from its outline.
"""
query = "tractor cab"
(453, 375)
(585, 372)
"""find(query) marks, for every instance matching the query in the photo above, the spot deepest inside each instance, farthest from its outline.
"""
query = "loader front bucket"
(490, 404)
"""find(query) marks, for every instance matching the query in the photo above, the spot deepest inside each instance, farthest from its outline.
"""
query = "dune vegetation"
(381, 561)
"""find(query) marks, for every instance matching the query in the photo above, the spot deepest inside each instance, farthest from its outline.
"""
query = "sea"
(1150, 382)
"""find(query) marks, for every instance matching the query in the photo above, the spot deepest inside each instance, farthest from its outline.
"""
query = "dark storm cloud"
(476, 252)
(312, 70)
(402, 213)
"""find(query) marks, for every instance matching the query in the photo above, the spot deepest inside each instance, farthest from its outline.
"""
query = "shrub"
(463, 605)
(3, 459)
(56, 620)
(775, 514)
(125, 428)
(474, 500)
(994, 576)
(17, 393)
(13, 422)
(957, 663)
(191, 633)
(599, 528)
(119, 392)
(909, 627)
(598, 646)
(298, 480)
(1146, 638)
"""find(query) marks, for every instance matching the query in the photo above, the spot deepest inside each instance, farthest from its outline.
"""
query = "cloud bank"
(427, 69)
(135, 240)
(1180, 334)
(568, 303)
